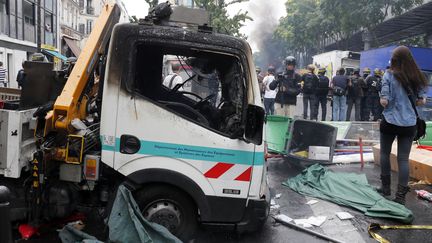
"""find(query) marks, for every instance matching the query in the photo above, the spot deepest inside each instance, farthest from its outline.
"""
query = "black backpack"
(308, 85)
(323, 85)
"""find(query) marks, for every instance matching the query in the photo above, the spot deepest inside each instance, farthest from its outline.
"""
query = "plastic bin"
(277, 133)
(428, 139)
(310, 133)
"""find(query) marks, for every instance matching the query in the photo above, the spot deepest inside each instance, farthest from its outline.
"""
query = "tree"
(309, 22)
(219, 18)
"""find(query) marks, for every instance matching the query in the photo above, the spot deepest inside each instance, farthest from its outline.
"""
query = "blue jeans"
(269, 104)
(339, 108)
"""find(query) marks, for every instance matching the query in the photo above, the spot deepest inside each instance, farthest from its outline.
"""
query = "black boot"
(385, 185)
(400, 194)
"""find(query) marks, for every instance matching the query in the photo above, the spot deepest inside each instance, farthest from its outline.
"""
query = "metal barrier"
(10, 94)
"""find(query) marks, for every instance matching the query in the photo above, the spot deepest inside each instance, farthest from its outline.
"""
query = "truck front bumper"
(256, 212)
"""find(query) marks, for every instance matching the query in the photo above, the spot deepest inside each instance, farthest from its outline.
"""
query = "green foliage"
(309, 22)
(219, 18)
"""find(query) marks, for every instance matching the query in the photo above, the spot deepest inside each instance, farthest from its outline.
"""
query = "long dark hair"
(406, 70)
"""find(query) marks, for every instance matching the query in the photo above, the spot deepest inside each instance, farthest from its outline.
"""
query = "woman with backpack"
(403, 88)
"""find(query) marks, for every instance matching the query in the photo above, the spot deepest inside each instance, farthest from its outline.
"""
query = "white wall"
(16, 58)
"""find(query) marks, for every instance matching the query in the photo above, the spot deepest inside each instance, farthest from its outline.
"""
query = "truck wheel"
(169, 207)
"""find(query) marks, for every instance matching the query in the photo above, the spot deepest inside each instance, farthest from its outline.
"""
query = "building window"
(48, 22)
(29, 12)
(89, 26)
(82, 28)
(49, 4)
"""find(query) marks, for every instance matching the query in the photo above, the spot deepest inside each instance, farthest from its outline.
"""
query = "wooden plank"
(420, 162)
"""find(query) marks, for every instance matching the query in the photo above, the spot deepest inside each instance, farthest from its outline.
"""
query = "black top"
(288, 88)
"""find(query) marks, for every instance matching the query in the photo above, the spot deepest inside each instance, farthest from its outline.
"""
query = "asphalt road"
(294, 205)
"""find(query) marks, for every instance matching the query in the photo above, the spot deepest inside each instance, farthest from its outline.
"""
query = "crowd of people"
(344, 92)
(391, 97)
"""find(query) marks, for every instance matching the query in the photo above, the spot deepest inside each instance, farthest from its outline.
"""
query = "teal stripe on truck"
(182, 151)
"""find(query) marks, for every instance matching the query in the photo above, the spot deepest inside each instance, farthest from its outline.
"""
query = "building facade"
(23, 25)
(77, 19)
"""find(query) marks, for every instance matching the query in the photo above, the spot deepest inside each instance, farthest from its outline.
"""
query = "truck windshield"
(204, 87)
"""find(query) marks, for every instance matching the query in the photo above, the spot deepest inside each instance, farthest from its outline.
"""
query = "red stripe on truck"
(218, 170)
(245, 176)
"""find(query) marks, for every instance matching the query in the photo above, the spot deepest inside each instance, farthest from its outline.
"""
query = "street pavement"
(294, 205)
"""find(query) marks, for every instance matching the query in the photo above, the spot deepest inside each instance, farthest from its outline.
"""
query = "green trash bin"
(277, 133)
(428, 139)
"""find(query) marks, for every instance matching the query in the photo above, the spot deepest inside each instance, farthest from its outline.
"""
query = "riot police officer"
(363, 108)
(288, 85)
(373, 106)
(355, 95)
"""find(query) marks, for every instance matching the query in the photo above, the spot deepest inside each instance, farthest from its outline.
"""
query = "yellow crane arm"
(67, 105)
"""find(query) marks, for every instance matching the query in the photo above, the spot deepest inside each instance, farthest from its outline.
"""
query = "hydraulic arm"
(72, 101)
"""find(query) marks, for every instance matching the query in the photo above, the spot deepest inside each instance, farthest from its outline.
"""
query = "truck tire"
(170, 207)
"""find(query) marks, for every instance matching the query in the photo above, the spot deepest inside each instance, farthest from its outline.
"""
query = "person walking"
(403, 88)
(322, 94)
(372, 100)
(288, 85)
(340, 83)
(269, 95)
(355, 95)
(310, 84)
(3, 75)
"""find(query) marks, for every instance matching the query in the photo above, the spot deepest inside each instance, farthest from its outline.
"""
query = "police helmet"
(290, 60)
(258, 70)
(271, 69)
(322, 71)
(377, 71)
(366, 70)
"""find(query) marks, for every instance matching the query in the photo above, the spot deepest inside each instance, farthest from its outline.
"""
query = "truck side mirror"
(254, 124)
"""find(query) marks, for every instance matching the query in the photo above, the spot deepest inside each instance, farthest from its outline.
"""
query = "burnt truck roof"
(169, 33)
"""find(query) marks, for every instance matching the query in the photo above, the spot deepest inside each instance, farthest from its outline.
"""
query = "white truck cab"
(205, 142)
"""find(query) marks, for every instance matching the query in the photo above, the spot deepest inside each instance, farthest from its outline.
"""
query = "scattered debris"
(312, 202)
(420, 182)
(317, 221)
(287, 222)
(274, 207)
(272, 202)
(344, 215)
(303, 222)
(424, 194)
(278, 196)
(283, 217)
(303, 154)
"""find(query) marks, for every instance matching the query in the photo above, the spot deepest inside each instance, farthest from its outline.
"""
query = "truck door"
(185, 114)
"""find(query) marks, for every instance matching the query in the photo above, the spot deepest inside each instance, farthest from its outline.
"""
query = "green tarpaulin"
(347, 189)
(126, 224)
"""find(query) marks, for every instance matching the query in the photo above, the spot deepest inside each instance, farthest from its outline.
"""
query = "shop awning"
(55, 54)
(73, 46)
